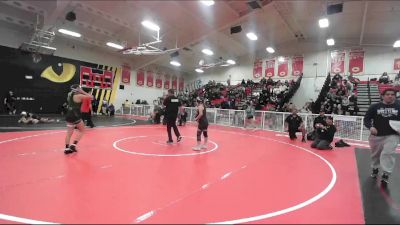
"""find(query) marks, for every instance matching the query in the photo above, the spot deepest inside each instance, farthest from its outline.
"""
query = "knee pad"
(205, 133)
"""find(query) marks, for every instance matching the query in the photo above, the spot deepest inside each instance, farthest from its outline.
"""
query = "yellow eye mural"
(67, 73)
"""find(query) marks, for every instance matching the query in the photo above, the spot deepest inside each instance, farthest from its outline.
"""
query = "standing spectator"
(250, 115)
(9, 103)
(383, 139)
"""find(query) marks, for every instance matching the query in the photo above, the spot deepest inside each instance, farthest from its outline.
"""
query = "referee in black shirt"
(172, 104)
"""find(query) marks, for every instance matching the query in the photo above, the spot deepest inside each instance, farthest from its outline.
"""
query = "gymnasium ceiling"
(195, 26)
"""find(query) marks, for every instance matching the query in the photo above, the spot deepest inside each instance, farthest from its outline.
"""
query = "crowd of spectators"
(338, 96)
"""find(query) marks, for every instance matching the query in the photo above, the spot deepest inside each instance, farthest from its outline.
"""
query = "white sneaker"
(197, 148)
(203, 146)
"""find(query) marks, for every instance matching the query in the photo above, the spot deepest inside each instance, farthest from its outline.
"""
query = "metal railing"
(348, 127)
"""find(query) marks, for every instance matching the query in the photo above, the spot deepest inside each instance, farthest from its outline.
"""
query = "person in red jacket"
(86, 110)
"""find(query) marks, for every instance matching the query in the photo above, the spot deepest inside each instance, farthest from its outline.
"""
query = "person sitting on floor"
(325, 135)
(30, 118)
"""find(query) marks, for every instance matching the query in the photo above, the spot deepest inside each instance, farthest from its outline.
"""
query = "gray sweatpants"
(383, 150)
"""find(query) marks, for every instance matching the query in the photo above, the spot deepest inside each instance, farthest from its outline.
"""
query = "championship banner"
(126, 75)
(150, 79)
(337, 62)
(159, 80)
(96, 78)
(270, 68)
(356, 61)
(140, 78)
(166, 81)
(181, 83)
(174, 82)
(396, 64)
(283, 67)
(297, 65)
(257, 69)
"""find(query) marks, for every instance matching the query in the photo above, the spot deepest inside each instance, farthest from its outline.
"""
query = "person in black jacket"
(319, 120)
(325, 134)
(172, 105)
(383, 139)
(294, 123)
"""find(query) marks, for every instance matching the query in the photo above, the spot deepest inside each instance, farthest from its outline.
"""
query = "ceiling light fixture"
(270, 50)
(208, 3)
(323, 23)
(199, 70)
(207, 51)
(68, 32)
(150, 25)
(113, 45)
(330, 42)
(230, 61)
(175, 63)
(397, 44)
(252, 36)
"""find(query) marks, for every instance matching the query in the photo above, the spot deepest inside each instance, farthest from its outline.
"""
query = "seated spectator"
(397, 79)
(104, 107)
(325, 134)
(270, 82)
(111, 109)
(353, 80)
(384, 78)
(345, 104)
(337, 78)
(348, 86)
(138, 102)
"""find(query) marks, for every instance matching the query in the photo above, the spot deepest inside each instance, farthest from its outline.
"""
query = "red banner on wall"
(140, 78)
(174, 82)
(126, 75)
(396, 64)
(257, 69)
(297, 65)
(166, 81)
(337, 62)
(283, 67)
(270, 68)
(150, 79)
(181, 83)
(356, 61)
(159, 80)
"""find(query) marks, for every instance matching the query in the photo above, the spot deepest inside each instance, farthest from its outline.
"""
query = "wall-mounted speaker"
(236, 29)
(336, 8)
(70, 16)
